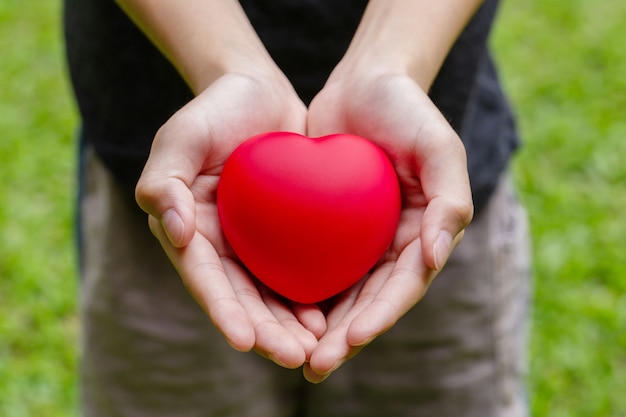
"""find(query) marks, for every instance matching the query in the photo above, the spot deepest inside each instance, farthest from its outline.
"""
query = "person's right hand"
(178, 191)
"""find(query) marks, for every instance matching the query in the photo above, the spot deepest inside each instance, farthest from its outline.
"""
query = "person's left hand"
(392, 111)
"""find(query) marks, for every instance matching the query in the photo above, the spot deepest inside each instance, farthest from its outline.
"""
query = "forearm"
(202, 38)
(411, 36)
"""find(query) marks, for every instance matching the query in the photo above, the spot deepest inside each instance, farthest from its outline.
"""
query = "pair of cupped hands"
(178, 191)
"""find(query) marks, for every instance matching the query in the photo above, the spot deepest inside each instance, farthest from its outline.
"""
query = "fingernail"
(277, 361)
(365, 341)
(322, 378)
(174, 227)
(442, 249)
(334, 368)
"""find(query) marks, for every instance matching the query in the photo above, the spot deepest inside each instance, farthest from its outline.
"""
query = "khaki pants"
(149, 351)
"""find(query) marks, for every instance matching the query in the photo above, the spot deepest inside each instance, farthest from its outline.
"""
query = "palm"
(204, 191)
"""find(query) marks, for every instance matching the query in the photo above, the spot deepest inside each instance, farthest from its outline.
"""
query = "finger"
(316, 376)
(278, 334)
(311, 376)
(404, 283)
(286, 317)
(442, 228)
(380, 304)
(333, 348)
(312, 318)
(445, 182)
(163, 190)
(204, 276)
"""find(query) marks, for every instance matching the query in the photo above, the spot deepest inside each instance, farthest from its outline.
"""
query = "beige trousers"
(149, 351)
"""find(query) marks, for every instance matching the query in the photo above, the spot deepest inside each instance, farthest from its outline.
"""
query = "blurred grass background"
(564, 65)
(38, 324)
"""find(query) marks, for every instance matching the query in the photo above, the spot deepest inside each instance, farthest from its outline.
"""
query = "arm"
(239, 92)
(411, 37)
(203, 39)
(379, 91)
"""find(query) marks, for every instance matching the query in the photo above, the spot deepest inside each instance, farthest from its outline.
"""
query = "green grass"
(564, 65)
(38, 325)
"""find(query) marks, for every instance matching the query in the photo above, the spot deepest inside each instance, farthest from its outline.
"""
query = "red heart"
(308, 217)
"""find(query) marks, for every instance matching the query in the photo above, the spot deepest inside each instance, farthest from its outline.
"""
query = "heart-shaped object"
(308, 217)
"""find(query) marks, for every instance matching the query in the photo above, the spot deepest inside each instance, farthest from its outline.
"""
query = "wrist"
(208, 69)
(408, 37)
(204, 39)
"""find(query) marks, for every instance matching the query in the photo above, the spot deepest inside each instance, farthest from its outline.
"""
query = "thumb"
(443, 226)
(169, 202)
(164, 188)
(449, 209)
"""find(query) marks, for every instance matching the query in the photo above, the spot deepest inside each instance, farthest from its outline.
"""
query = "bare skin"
(377, 91)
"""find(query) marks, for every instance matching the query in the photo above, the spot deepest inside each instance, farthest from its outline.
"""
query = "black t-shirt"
(126, 89)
